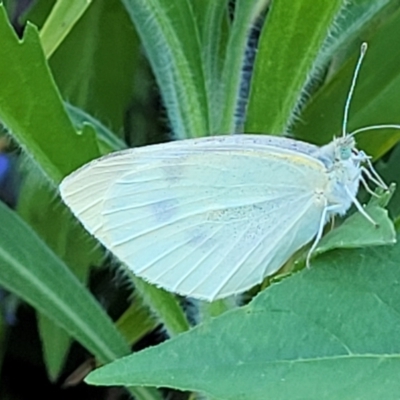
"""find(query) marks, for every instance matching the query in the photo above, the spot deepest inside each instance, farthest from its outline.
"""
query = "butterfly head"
(344, 148)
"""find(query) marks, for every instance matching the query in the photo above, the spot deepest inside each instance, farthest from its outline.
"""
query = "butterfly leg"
(376, 175)
(374, 178)
(360, 208)
(324, 215)
(367, 188)
(370, 171)
(332, 222)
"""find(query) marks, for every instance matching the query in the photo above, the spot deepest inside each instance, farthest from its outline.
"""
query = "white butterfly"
(212, 217)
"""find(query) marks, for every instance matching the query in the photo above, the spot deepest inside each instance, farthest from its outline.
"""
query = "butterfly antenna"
(363, 50)
(374, 127)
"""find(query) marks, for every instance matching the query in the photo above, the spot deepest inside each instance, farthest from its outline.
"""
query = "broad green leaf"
(59, 23)
(170, 37)
(32, 271)
(330, 332)
(389, 171)
(375, 98)
(96, 65)
(31, 107)
(356, 231)
(289, 43)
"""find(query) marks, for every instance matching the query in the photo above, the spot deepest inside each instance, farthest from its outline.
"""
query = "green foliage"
(279, 81)
(36, 116)
(285, 345)
(376, 97)
(60, 22)
(95, 65)
(71, 93)
(36, 274)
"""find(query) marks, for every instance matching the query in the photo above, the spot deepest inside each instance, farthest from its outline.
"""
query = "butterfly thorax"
(343, 170)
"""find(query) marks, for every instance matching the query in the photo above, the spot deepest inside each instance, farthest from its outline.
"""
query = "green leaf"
(107, 139)
(356, 231)
(348, 27)
(43, 128)
(330, 332)
(38, 12)
(246, 14)
(32, 271)
(289, 43)
(96, 65)
(136, 322)
(389, 170)
(376, 95)
(169, 34)
(212, 20)
(42, 209)
(55, 344)
(59, 23)
(164, 305)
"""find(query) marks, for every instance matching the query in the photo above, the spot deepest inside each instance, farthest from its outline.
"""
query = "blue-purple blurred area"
(9, 188)
(9, 180)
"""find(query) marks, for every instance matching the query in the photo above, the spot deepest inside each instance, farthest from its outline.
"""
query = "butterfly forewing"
(204, 224)
(84, 190)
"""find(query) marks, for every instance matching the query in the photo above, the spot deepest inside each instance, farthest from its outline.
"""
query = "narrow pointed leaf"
(31, 270)
(290, 40)
(31, 107)
(59, 23)
(170, 36)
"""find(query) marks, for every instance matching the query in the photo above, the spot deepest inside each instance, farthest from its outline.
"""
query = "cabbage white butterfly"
(213, 216)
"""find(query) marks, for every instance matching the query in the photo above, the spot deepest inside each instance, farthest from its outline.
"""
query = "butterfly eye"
(345, 153)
